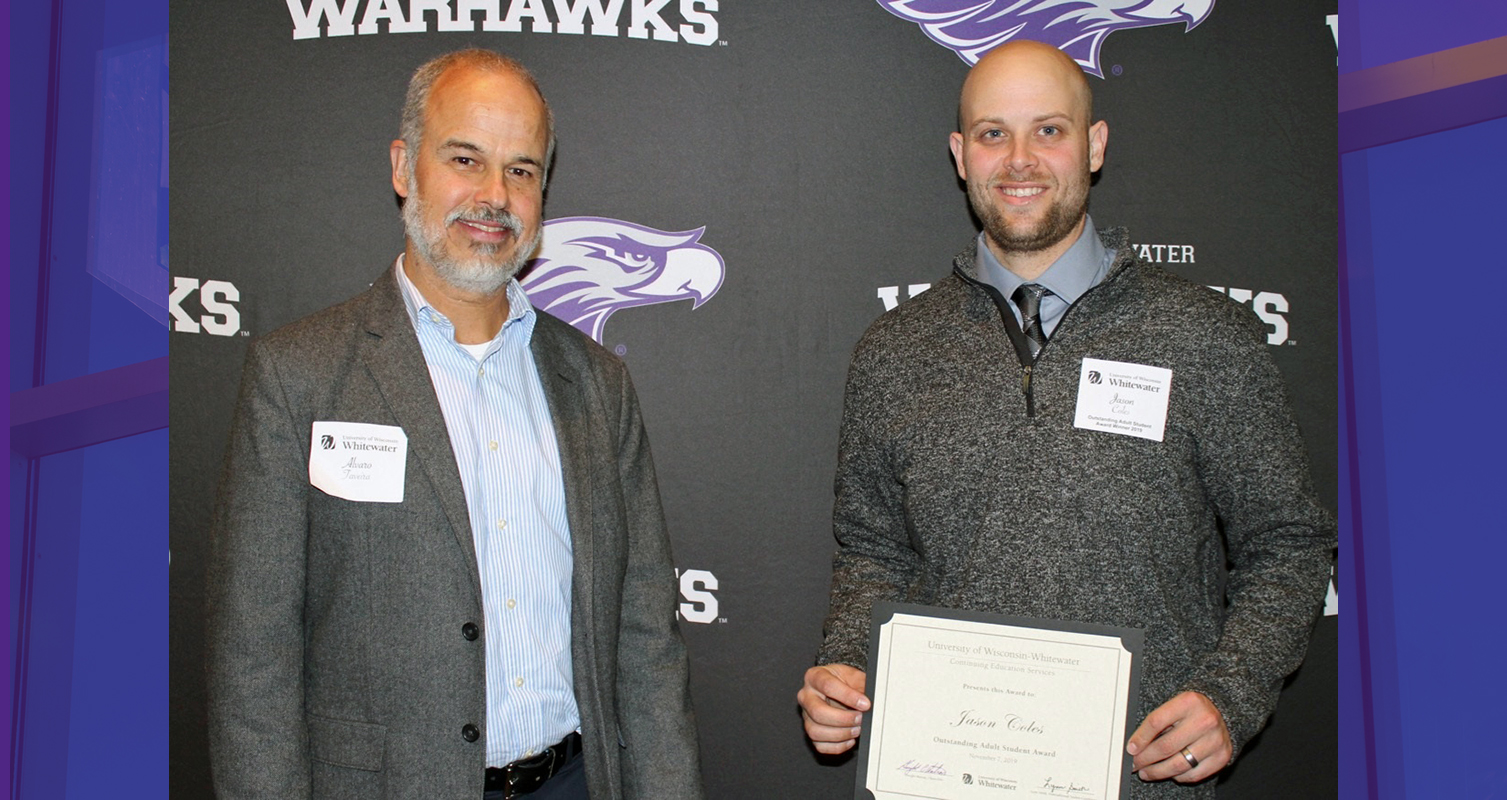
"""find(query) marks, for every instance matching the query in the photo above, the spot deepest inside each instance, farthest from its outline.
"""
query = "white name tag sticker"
(1128, 399)
(358, 461)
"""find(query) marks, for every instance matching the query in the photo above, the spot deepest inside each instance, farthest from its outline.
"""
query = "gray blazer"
(337, 665)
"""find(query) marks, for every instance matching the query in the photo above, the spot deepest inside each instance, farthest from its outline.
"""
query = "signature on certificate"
(1053, 787)
(914, 767)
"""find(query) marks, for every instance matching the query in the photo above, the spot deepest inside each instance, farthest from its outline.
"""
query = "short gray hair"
(424, 78)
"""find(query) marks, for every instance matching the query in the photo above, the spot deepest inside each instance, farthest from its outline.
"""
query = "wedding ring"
(1192, 759)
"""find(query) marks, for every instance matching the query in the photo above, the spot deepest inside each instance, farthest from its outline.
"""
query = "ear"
(1098, 138)
(955, 142)
(399, 153)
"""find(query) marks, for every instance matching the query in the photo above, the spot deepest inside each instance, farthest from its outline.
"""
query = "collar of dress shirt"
(420, 311)
(1073, 273)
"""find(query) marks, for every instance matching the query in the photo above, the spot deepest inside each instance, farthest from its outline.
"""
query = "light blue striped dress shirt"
(504, 442)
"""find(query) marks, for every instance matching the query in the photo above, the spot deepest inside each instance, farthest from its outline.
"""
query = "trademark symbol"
(621, 350)
(1117, 69)
(722, 43)
(722, 620)
(1292, 342)
(245, 333)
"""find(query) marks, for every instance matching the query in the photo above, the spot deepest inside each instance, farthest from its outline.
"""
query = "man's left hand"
(1186, 723)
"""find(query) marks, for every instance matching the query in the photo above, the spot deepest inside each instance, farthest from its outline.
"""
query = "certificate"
(975, 705)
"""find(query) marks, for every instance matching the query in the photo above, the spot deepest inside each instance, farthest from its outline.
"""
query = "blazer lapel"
(396, 364)
(574, 436)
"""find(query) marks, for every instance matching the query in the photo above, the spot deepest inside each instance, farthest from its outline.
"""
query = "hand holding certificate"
(832, 702)
(968, 704)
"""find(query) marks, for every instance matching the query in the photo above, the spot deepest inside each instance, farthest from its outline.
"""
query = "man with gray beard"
(439, 566)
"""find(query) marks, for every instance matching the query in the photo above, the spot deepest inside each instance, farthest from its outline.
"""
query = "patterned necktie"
(1027, 298)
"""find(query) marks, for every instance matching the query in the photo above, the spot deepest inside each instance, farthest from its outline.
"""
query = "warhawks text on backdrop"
(1270, 307)
(699, 603)
(646, 19)
(217, 298)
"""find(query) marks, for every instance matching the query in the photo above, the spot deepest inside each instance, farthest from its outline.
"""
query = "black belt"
(526, 775)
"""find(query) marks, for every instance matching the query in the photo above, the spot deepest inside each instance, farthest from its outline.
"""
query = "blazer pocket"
(345, 743)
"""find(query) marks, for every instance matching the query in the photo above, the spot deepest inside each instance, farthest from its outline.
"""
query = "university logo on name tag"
(1123, 398)
(358, 461)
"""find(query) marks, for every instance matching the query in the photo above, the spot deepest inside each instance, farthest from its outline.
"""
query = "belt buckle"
(537, 774)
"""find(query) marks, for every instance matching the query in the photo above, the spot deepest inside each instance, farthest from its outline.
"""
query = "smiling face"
(1026, 149)
(474, 185)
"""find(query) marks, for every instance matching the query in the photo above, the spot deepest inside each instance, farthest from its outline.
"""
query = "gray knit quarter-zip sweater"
(949, 494)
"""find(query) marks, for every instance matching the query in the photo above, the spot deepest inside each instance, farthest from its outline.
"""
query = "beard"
(1016, 237)
(484, 270)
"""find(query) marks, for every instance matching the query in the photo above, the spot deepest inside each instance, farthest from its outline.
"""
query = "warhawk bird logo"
(590, 267)
(971, 28)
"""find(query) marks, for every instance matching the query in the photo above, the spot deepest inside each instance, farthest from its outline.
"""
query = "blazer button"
(470, 631)
(469, 732)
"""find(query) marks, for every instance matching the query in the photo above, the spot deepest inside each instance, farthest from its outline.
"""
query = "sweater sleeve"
(874, 560)
(1279, 538)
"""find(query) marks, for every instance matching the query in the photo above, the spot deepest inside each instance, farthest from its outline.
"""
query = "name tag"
(1128, 399)
(358, 461)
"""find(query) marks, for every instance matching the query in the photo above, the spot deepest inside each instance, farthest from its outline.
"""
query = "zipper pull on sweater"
(1013, 333)
(1025, 388)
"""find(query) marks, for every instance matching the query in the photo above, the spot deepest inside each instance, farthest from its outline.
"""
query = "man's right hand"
(832, 703)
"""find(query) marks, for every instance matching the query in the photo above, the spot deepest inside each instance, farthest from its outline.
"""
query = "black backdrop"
(809, 141)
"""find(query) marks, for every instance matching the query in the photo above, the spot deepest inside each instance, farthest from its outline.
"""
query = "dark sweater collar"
(966, 263)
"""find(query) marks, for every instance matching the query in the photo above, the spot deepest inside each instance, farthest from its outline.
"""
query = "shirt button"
(492, 445)
(502, 524)
(481, 370)
(469, 732)
(512, 603)
(517, 681)
(470, 631)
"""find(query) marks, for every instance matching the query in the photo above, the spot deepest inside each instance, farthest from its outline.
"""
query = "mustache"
(1011, 176)
(501, 216)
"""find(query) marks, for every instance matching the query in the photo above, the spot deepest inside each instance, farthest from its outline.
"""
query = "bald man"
(966, 480)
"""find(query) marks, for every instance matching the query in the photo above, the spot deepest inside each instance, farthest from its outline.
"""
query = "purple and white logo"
(971, 28)
(590, 267)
